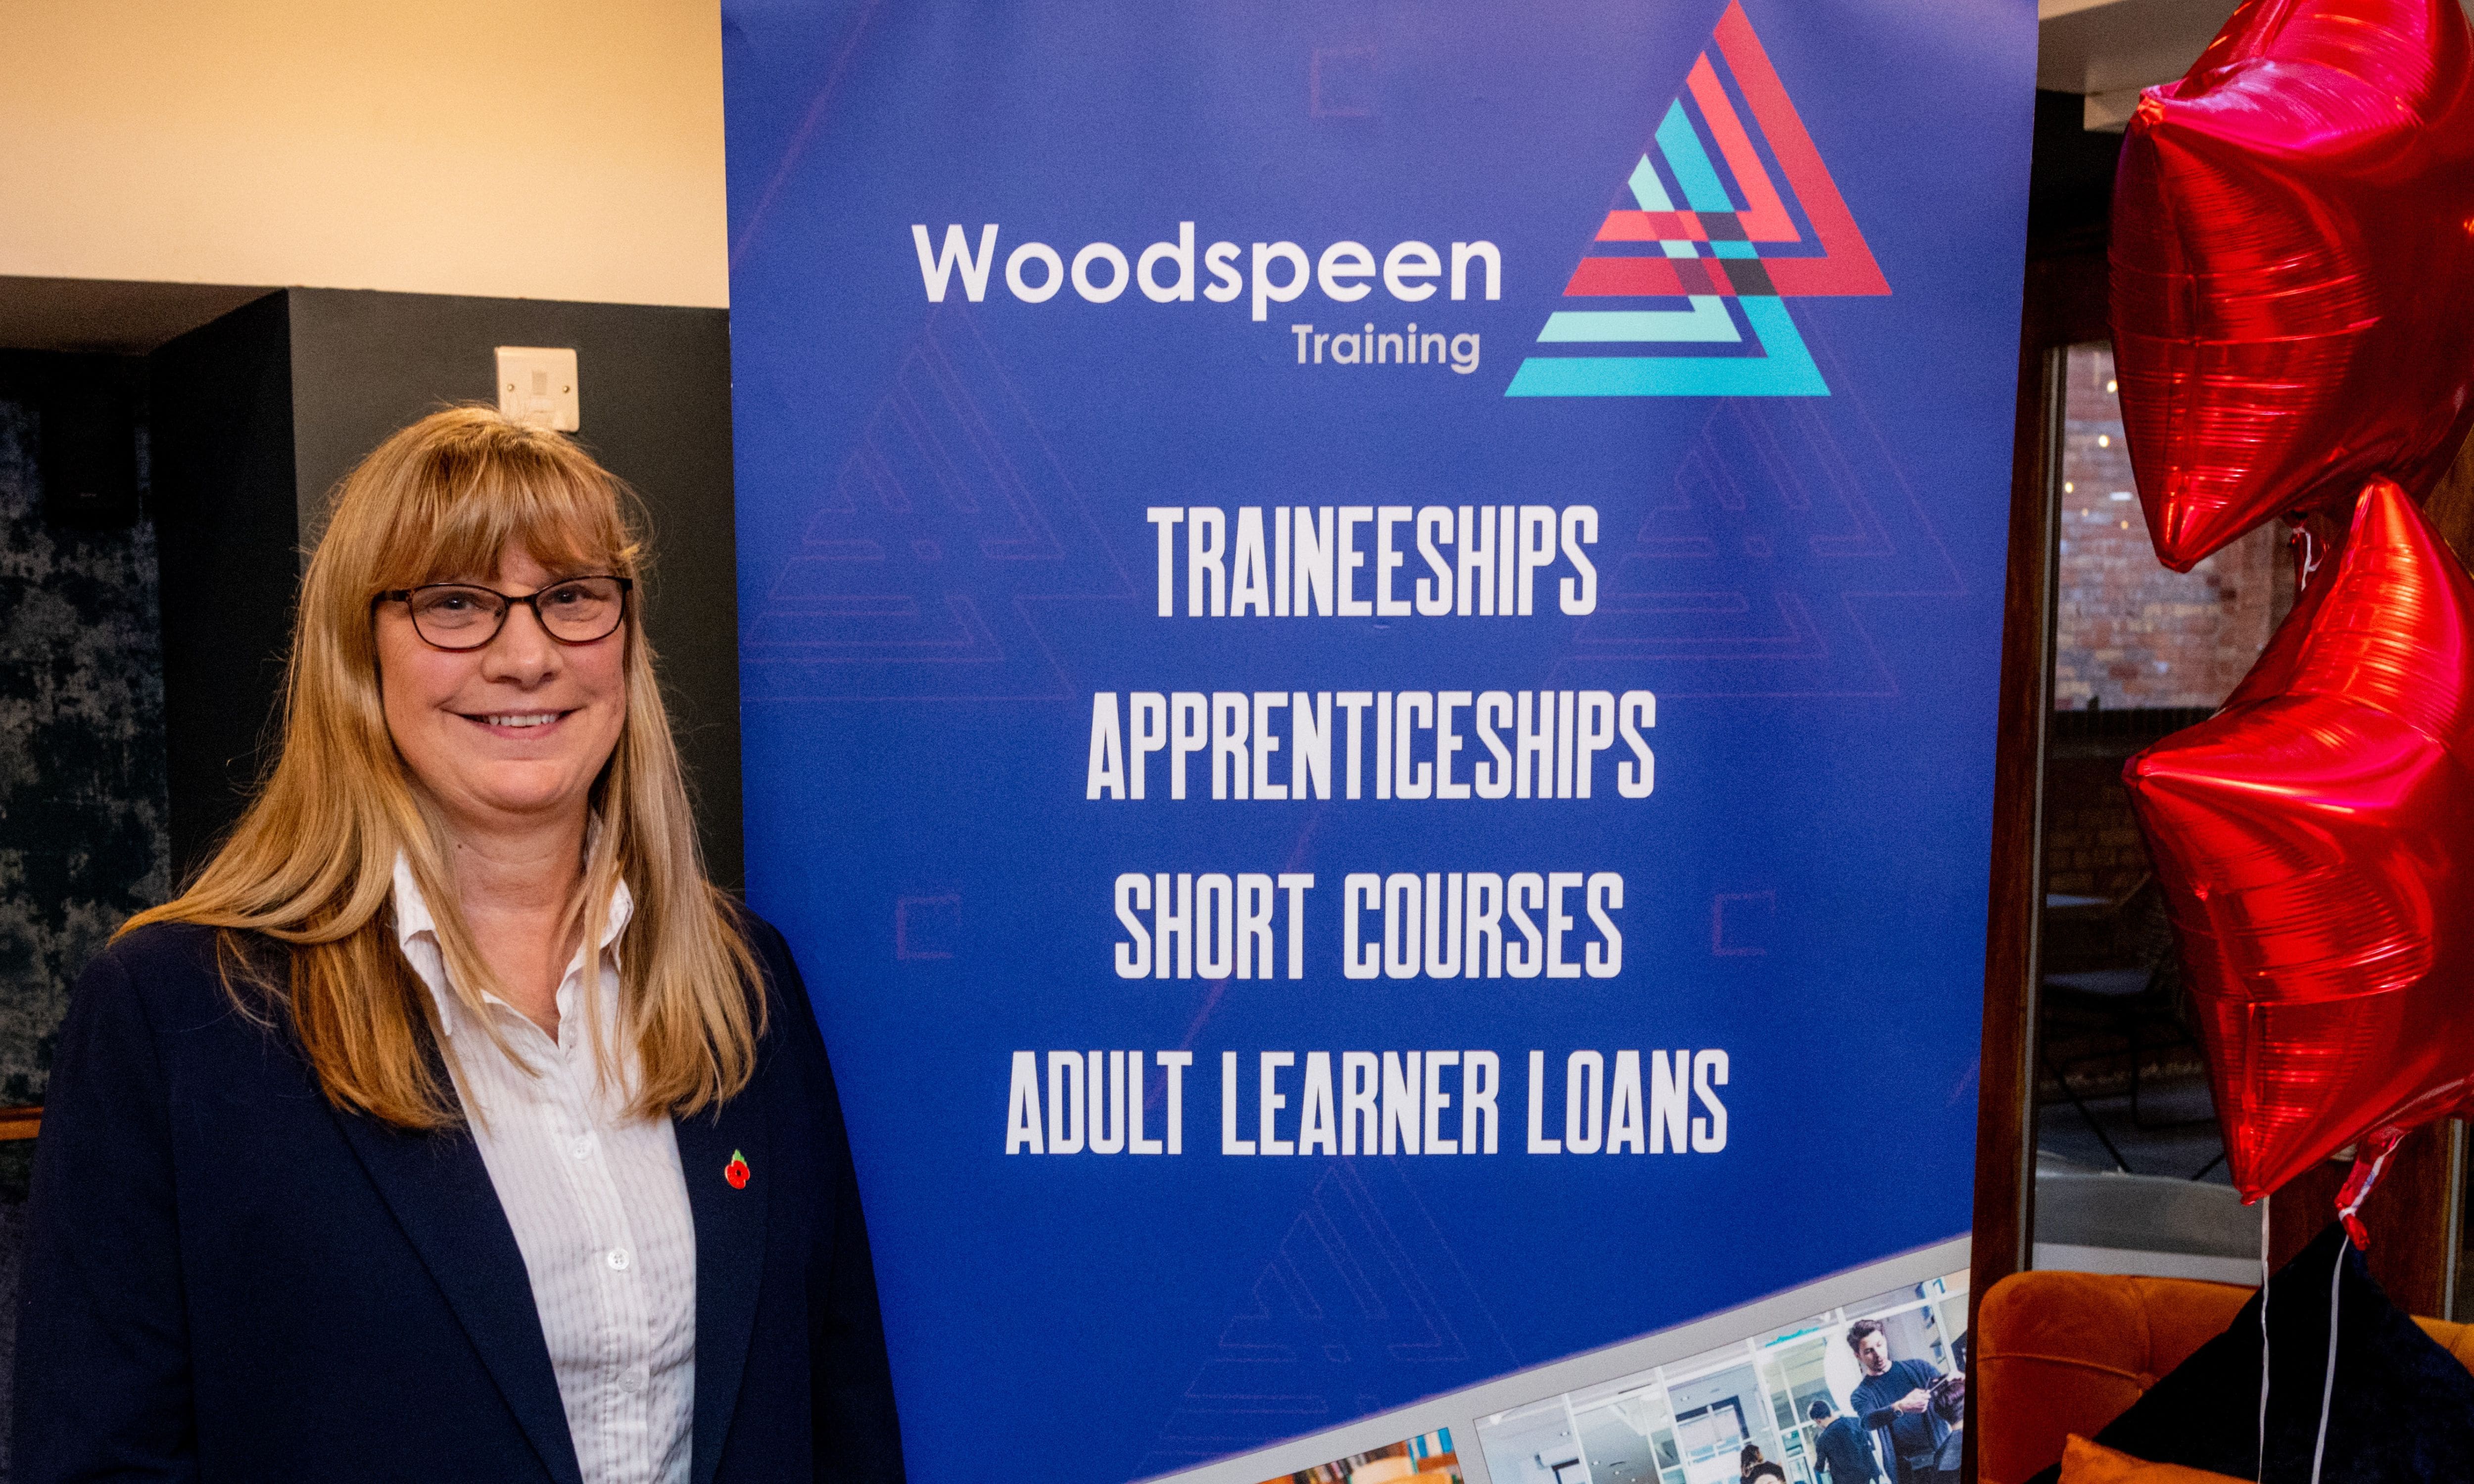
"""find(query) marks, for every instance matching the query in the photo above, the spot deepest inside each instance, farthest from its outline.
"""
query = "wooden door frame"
(2064, 305)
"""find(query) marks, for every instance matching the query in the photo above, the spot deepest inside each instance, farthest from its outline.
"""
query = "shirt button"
(583, 1146)
(617, 1260)
(632, 1379)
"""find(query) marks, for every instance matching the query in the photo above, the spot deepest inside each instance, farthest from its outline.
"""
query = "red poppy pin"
(736, 1171)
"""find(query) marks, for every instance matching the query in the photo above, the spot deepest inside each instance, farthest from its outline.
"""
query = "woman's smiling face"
(515, 729)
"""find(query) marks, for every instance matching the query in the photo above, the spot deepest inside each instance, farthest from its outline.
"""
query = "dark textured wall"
(83, 841)
(82, 784)
(223, 501)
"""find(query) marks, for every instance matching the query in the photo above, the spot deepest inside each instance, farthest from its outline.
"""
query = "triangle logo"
(1728, 214)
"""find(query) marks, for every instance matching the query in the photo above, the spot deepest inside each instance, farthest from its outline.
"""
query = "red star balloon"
(2315, 843)
(2292, 252)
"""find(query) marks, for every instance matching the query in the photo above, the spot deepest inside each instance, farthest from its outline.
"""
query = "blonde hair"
(311, 862)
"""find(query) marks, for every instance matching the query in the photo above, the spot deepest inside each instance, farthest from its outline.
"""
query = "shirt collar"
(416, 927)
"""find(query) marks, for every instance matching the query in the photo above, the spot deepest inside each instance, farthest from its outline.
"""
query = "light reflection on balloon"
(2292, 257)
(2315, 843)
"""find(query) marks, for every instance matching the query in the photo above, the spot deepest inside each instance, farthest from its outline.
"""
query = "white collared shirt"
(597, 1202)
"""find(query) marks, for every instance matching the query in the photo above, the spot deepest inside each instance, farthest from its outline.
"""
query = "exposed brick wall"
(2132, 636)
(2128, 633)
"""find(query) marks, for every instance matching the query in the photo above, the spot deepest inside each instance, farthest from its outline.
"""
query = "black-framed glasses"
(458, 615)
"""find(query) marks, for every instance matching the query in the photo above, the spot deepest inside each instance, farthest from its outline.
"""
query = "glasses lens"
(581, 611)
(456, 615)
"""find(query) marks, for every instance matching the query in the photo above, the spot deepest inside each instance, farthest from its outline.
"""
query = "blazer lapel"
(730, 1256)
(441, 1195)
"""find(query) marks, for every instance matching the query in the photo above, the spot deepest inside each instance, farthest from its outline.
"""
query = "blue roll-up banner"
(1368, 641)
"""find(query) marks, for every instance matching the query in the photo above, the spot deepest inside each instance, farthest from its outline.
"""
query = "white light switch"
(537, 385)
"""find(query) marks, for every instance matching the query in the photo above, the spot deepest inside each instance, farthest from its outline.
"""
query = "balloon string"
(2328, 1387)
(2261, 1476)
(2359, 1182)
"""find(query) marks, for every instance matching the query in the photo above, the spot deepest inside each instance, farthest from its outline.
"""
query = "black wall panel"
(229, 534)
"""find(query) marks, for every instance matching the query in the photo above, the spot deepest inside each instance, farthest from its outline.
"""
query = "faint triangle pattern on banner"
(1362, 1306)
(1779, 558)
(934, 552)
(1704, 248)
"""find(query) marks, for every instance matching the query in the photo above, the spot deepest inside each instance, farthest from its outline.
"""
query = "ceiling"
(109, 315)
(2107, 50)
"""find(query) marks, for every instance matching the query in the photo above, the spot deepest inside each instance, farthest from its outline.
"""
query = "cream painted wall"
(548, 149)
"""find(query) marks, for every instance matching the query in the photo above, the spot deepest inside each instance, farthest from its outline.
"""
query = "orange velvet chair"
(2056, 1354)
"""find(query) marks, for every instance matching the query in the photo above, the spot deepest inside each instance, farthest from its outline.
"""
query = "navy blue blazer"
(227, 1279)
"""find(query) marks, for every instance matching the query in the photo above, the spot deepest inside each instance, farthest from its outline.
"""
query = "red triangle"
(1846, 266)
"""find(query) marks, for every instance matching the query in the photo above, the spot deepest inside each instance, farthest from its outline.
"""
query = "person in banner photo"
(1895, 1400)
(1843, 1448)
(451, 1124)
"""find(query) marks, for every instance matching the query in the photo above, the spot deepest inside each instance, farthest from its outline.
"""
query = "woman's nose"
(523, 649)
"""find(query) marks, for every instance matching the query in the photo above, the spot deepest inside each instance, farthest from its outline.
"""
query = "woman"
(451, 1125)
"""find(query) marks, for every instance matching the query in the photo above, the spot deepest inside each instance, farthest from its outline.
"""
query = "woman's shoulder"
(772, 951)
(160, 987)
(164, 945)
(170, 967)
(786, 988)
(158, 956)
